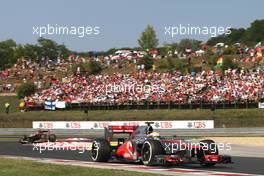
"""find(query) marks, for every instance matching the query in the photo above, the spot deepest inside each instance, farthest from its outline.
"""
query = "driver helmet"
(149, 130)
(154, 135)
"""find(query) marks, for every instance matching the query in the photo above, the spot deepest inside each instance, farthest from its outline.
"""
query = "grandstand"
(188, 75)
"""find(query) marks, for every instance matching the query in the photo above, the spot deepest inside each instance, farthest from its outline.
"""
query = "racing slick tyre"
(52, 138)
(150, 149)
(43, 137)
(101, 150)
(31, 140)
(23, 140)
(209, 148)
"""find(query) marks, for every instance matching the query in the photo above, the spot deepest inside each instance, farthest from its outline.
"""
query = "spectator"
(7, 106)
(206, 86)
(22, 106)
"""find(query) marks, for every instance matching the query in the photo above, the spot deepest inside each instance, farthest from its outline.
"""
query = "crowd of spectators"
(7, 88)
(139, 87)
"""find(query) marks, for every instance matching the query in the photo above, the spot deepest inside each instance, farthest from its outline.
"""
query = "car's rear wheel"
(209, 147)
(23, 139)
(31, 140)
(150, 149)
(43, 137)
(101, 150)
(52, 138)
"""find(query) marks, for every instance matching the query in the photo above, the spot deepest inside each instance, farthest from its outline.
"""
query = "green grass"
(222, 117)
(4, 138)
(227, 118)
(12, 100)
(32, 168)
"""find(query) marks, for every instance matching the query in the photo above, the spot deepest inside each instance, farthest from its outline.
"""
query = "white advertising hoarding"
(180, 124)
(261, 105)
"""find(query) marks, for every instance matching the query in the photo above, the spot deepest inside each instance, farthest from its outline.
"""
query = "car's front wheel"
(150, 149)
(208, 147)
(52, 138)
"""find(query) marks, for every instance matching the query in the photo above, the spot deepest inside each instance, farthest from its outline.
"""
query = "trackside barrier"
(153, 105)
(18, 132)
(180, 124)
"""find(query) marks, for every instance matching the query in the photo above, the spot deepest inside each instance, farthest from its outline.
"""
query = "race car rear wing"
(121, 129)
(118, 129)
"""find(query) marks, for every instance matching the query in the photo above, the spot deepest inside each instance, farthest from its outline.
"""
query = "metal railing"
(179, 132)
(148, 105)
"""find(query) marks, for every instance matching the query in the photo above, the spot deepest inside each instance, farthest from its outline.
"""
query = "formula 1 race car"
(148, 147)
(37, 137)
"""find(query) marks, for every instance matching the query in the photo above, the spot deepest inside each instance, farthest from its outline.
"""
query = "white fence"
(180, 124)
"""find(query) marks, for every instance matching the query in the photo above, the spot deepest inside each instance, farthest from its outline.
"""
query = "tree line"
(247, 36)
(10, 51)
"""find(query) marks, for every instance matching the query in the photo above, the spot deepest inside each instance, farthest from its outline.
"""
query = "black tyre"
(23, 140)
(25, 137)
(43, 137)
(52, 138)
(209, 148)
(101, 150)
(150, 149)
(31, 140)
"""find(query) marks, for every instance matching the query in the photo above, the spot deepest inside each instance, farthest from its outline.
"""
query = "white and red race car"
(144, 145)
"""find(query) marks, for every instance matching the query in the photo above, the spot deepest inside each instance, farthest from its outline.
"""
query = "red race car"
(148, 147)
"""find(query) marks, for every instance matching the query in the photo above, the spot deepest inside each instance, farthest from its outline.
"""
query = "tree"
(235, 36)
(94, 67)
(147, 62)
(229, 51)
(171, 64)
(254, 33)
(78, 68)
(63, 51)
(49, 48)
(111, 51)
(26, 89)
(10, 51)
(19, 52)
(171, 46)
(168, 47)
(228, 63)
(7, 53)
(249, 36)
(30, 51)
(189, 43)
(148, 39)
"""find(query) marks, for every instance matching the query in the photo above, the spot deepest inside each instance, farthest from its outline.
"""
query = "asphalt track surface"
(249, 165)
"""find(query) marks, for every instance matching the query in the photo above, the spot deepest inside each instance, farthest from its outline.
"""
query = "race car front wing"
(176, 159)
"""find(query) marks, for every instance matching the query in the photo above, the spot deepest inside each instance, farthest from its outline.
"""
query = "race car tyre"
(150, 149)
(23, 140)
(43, 137)
(52, 138)
(24, 137)
(30, 140)
(210, 149)
(101, 150)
